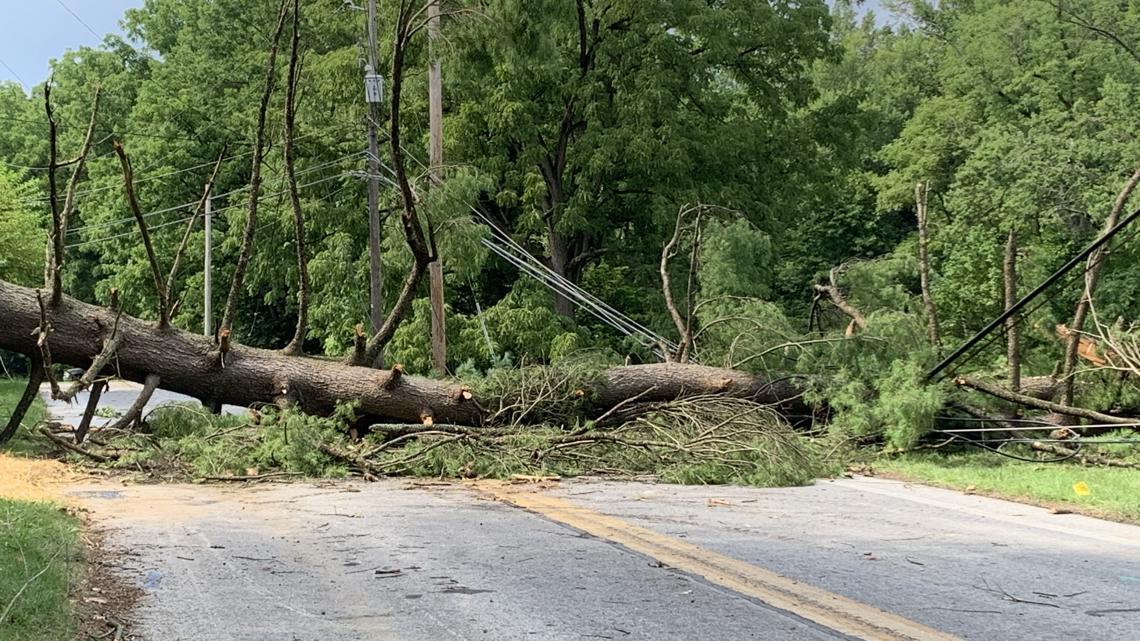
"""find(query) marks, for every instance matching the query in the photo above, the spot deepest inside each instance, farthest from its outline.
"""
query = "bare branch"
(423, 251)
(152, 258)
(89, 411)
(42, 335)
(53, 263)
(190, 225)
(296, 345)
(150, 384)
(1029, 401)
(1013, 323)
(668, 252)
(246, 248)
(69, 199)
(831, 289)
(99, 458)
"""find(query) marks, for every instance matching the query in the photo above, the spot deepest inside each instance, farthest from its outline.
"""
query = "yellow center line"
(832, 611)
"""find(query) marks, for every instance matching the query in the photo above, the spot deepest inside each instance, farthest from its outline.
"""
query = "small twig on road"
(74, 448)
(254, 477)
(1009, 597)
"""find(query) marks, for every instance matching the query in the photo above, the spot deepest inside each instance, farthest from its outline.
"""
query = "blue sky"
(32, 32)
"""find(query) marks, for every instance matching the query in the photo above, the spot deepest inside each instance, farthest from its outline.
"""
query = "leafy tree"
(595, 121)
(21, 233)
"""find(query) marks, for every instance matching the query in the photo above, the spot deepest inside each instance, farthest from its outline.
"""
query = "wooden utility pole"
(435, 155)
(373, 96)
(208, 293)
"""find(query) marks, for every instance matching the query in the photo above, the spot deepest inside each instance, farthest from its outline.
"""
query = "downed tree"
(238, 375)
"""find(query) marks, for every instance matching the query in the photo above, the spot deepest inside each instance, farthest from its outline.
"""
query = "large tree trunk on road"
(193, 365)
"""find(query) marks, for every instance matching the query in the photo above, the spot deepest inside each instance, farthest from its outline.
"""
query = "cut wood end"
(359, 329)
(578, 393)
(427, 419)
(464, 394)
(394, 376)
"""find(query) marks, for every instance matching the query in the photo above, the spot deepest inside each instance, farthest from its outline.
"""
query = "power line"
(81, 20)
(216, 211)
(193, 203)
(12, 71)
(1069, 279)
(517, 255)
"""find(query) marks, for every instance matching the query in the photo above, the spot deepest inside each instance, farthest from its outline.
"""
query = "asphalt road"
(413, 561)
(848, 559)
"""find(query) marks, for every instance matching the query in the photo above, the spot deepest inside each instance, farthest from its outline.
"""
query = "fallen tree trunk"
(234, 374)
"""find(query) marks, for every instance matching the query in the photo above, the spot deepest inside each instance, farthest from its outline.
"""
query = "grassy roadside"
(40, 551)
(40, 559)
(1112, 493)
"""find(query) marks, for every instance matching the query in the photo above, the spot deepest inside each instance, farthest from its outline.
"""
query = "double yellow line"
(832, 611)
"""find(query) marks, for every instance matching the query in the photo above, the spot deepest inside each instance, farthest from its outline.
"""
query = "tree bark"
(1013, 324)
(191, 364)
(1029, 401)
(89, 411)
(921, 193)
(836, 296)
(134, 413)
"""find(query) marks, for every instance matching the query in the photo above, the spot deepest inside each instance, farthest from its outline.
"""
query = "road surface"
(858, 558)
(410, 561)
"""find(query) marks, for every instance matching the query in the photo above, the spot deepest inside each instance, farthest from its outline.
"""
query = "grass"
(39, 560)
(10, 392)
(1113, 493)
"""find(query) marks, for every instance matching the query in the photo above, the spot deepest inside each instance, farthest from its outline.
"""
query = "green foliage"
(22, 237)
(735, 259)
(706, 441)
(555, 394)
(40, 559)
(186, 440)
(895, 404)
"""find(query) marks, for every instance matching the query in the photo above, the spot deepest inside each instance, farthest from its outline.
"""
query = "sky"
(33, 32)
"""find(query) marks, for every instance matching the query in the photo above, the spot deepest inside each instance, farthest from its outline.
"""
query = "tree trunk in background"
(560, 262)
(1013, 324)
(921, 193)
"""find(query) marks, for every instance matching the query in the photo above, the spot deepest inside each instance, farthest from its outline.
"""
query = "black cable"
(1069, 279)
(1016, 457)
